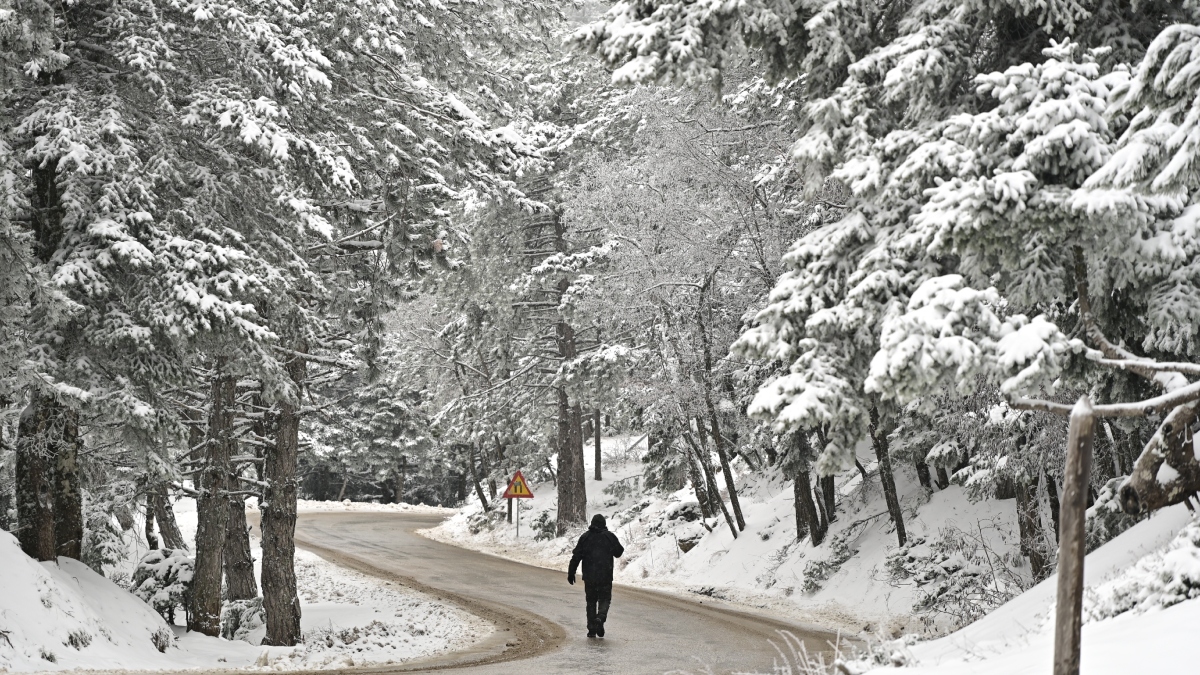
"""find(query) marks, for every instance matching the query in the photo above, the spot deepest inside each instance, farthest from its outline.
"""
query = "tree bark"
(719, 442)
(879, 440)
(572, 498)
(596, 440)
(68, 493)
(1027, 523)
(151, 538)
(212, 509)
(829, 492)
(943, 479)
(923, 475)
(239, 563)
(475, 479)
(35, 481)
(808, 520)
(1055, 507)
(281, 602)
(701, 451)
(698, 484)
(163, 513)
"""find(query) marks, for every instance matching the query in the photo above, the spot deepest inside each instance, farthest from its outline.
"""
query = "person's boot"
(600, 628)
(592, 629)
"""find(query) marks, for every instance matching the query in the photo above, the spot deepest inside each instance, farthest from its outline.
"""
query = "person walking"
(596, 550)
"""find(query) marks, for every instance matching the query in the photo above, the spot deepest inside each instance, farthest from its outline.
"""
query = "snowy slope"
(60, 616)
(1017, 638)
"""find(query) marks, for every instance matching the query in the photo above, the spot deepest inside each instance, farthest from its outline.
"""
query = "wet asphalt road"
(540, 618)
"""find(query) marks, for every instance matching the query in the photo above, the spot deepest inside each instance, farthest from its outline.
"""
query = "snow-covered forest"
(800, 293)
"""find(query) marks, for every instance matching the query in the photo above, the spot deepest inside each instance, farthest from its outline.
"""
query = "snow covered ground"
(65, 616)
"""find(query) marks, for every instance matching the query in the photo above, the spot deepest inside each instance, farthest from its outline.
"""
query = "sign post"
(518, 489)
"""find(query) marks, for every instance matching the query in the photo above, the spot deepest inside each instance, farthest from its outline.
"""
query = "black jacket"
(596, 550)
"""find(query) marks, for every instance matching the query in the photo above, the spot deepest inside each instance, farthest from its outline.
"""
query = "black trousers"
(599, 596)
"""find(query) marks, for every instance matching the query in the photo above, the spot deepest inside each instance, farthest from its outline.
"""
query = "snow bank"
(56, 616)
(347, 505)
(1139, 563)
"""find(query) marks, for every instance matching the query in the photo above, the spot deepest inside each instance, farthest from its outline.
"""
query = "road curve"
(541, 629)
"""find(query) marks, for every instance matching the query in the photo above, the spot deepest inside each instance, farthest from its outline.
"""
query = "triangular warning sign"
(518, 488)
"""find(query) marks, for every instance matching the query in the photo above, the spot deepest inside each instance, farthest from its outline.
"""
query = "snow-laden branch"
(1149, 406)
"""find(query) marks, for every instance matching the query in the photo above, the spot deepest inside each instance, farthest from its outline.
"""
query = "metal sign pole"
(518, 519)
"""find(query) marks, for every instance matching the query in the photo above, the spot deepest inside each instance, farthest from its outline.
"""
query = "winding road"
(539, 617)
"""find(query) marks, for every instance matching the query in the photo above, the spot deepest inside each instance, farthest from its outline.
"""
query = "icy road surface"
(539, 617)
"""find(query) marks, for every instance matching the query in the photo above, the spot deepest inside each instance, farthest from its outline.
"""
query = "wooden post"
(1069, 608)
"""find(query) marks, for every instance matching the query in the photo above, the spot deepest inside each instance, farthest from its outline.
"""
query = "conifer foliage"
(194, 193)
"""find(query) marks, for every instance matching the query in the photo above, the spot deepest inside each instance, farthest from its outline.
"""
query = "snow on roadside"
(347, 505)
(65, 616)
(1141, 610)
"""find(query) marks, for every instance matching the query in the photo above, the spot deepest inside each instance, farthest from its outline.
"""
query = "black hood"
(598, 522)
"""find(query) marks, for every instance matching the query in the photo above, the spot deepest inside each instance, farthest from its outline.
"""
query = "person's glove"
(571, 579)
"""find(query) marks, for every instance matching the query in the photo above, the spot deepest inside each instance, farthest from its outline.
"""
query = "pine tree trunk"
(212, 509)
(163, 513)
(475, 479)
(698, 484)
(1055, 508)
(1027, 523)
(596, 441)
(151, 538)
(806, 508)
(281, 602)
(879, 440)
(829, 491)
(923, 475)
(943, 479)
(35, 481)
(572, 498)
(68, 493)
(239, 564)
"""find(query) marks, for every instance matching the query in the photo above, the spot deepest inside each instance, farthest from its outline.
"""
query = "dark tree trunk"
(943, 479)
(719, 442)
(923, 475)
(801, 514)
(1055, 510)
(572, 495)
(596, 441)
(281, 602)
(886, 478)
(806, 509)
(212, 509)
(151, 538)
(68, 493)
(35, 481)
(1027, 523)
(821, 514)
(698, 484)
(701, 456)
(829, 492)
(475, 479)
(239, 564)
(165, 515)
(862, 470)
